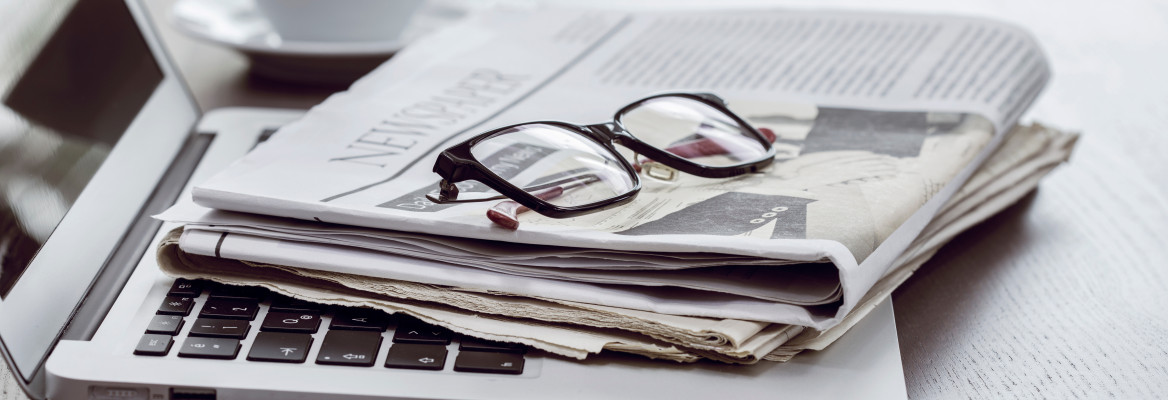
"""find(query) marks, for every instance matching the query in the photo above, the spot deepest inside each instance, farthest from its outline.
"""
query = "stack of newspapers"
(893, 132)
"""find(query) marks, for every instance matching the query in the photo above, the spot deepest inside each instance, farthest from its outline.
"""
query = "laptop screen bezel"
(43, 301)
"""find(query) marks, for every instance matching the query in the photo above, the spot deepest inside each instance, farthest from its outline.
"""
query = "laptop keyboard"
(353, 336)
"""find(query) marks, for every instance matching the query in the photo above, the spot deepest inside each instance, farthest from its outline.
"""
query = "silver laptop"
(97, 133)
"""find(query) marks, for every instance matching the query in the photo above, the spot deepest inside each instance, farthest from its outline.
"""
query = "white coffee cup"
(339, 20)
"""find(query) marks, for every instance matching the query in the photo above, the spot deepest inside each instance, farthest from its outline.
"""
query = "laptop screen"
(72, 78)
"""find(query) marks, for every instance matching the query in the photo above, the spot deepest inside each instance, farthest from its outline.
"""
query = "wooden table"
(1062, 295)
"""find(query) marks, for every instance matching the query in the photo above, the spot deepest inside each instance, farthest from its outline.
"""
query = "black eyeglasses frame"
(457, 164)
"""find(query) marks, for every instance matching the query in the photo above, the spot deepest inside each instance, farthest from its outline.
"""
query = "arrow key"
(416, 356)
(414, 331)
(280, 347)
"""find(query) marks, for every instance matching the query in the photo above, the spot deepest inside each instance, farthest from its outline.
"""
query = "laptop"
(98, 133)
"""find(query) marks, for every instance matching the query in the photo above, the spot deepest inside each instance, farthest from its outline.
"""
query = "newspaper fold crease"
(575, 329)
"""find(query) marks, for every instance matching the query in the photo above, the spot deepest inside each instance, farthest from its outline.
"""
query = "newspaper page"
(1028, 154)
(879, 119)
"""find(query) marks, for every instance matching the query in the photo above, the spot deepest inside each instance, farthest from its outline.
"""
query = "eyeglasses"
(563, 170)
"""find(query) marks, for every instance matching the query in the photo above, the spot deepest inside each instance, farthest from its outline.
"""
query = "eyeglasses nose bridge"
(660, 171)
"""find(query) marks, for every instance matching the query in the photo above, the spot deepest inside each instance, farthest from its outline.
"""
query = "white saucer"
(240, 25)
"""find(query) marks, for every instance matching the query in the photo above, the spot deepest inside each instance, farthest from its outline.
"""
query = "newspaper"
(880, 119)
(578, 329)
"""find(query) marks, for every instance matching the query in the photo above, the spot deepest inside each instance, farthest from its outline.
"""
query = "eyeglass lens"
(692, 130)
(556, 164)
(567, 169)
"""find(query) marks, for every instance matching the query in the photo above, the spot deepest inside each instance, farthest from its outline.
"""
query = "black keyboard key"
(355, 348)
(474, 344)
(358, 319)
(186, 288)
(224, 328)
(230, 309)
(154, 345)
(290, 322)
(416, 356)
(205, 347)
(489, 362)
(420, 333)
(280, 347)
(176, 305)
(288, 304)
(251, 293)
(165, 324)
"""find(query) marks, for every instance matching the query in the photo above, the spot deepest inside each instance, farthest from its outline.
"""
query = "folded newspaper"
(880, 119)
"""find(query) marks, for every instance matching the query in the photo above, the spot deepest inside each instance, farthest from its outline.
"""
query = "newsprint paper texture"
(577, 329)
(880, 118)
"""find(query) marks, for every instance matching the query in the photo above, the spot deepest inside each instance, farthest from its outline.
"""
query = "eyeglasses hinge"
(449, 191)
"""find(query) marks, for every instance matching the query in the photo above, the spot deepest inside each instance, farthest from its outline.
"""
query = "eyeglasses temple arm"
(703, 147)
(506, 213)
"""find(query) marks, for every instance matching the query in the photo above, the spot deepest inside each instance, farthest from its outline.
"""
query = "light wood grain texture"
(9, 388)
(1064, 295)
